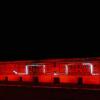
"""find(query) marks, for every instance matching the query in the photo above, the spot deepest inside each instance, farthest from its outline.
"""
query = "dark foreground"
(28, 93)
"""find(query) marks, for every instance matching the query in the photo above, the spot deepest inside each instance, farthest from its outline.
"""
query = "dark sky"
(39, 46)
(48, 35)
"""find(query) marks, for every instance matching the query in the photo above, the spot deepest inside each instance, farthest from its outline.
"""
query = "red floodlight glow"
(67, 70)
(89, 65)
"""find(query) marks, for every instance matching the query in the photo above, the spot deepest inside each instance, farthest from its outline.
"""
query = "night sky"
(48, 36)
(41, 46)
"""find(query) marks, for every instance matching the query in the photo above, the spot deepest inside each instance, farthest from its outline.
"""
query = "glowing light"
(15, 72)
(91, 68)
(19, 73)
(27, 69)
(55, 73)
(66, 69)
(44, 71)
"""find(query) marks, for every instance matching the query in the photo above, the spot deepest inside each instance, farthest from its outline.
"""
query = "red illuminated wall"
(67, 70)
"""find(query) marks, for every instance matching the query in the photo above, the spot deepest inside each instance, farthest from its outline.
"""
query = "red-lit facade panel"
(67, 70)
